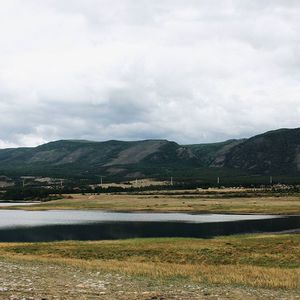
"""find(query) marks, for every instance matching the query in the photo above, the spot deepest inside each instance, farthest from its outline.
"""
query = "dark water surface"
(18, 225)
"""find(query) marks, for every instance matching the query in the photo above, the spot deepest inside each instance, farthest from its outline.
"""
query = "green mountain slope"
(275, 152)
(207, 153)
(86, 158)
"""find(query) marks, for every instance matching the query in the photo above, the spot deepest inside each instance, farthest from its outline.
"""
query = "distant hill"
(276, 152)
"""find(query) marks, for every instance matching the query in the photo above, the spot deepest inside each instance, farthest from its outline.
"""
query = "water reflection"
(121, 230)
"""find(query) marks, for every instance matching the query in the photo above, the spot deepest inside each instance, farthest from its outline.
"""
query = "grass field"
(214, 202)
(268, 261)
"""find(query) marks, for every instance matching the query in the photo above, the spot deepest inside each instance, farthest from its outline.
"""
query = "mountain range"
(275, 152)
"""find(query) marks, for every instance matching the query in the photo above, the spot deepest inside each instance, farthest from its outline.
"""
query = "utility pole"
(271, 180)
(101, 180)
(171, 182)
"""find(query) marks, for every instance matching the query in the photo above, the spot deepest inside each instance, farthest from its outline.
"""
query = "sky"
(191, 71)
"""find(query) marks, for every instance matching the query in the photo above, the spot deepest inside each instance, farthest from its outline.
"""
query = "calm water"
(18, 225)
(13, 218)
(16, 203)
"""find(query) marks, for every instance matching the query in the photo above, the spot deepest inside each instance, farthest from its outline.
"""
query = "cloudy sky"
(186, 70)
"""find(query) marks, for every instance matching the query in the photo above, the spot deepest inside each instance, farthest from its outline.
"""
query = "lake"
(29, 226)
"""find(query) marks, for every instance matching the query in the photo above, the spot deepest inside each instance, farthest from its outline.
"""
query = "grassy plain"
(215, 201)
(263, 261)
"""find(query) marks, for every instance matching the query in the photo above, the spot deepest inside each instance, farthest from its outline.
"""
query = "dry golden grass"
(186, 202)
(134, 183)
(269, 261)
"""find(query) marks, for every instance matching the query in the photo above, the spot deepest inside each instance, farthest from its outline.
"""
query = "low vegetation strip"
(264, 261)
(169, 202)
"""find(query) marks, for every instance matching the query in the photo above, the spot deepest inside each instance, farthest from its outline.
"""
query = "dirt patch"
(37, 280)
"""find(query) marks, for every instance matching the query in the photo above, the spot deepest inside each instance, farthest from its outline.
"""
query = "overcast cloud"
(191, 71)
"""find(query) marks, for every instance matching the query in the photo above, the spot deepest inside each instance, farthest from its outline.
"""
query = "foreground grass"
(268, 261)
(227, 203)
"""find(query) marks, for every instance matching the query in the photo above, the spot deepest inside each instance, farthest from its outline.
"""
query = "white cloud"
(191, 71)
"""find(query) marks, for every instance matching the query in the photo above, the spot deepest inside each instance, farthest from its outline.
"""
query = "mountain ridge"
(276, 152)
